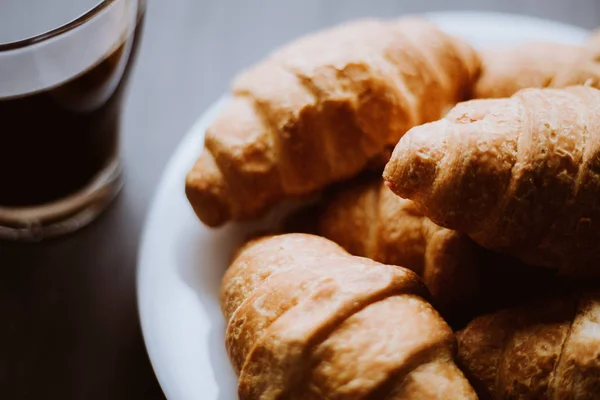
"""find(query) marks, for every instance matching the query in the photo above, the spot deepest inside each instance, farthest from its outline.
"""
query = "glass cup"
(64, 65)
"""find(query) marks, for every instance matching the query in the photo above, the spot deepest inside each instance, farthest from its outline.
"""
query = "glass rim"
(55, 32)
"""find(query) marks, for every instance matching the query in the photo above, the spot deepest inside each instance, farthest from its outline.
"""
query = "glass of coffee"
(64, 65)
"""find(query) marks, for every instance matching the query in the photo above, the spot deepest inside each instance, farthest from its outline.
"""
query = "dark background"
(68, 319)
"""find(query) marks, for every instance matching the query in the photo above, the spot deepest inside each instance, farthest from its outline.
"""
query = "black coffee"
(54, 142)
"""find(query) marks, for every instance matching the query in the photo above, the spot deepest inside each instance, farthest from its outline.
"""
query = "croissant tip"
(206, 205)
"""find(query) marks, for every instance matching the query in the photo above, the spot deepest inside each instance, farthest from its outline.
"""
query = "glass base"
(32, 224)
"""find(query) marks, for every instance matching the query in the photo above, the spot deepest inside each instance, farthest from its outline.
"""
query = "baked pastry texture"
(369, 220)
(506, 70)
(320, 109)
(306, 320)
(546, 350)
(518, 175)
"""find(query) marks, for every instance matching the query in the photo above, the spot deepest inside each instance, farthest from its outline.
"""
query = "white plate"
(181, 261)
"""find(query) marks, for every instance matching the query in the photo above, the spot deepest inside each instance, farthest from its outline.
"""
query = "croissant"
(306, 320)
(320, 109)
(586, 73)
(368, 220)
(518, 175)
(593, 45)
(546, 350)
(505, 71)
(586, 69)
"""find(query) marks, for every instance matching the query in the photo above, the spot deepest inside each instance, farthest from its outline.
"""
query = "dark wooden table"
(69, 326)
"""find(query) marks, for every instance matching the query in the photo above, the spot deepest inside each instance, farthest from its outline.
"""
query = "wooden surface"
(69, 327)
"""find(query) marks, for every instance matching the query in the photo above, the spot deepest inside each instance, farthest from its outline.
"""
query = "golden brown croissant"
(306, 320)
(505, 71)
(518, 175)
(368, 220)
(546, 350)
(318, 110)
(585, 71)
